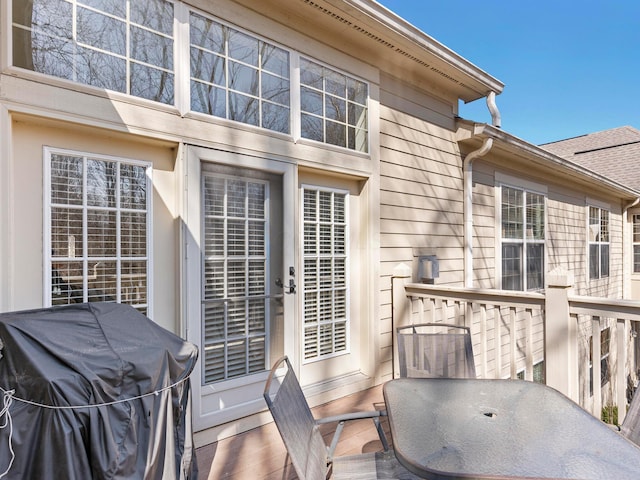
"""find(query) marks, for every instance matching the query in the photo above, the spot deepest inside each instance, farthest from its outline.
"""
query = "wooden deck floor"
(259, 454)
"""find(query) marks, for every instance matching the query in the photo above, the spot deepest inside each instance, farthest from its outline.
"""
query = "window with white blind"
(523, 237)
(598, 242)
(121, 45)
(97, 229)
(325, 248)
(236, 313)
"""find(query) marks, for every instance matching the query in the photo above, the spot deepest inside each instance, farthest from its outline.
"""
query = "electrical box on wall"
(428, 268)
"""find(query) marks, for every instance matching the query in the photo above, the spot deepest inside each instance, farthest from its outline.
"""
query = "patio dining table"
(497, 429)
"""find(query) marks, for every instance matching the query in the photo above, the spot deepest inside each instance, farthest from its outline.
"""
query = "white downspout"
(467, 168)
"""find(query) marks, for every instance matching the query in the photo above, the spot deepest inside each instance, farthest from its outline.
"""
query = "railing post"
(560, 336)
(400, 308)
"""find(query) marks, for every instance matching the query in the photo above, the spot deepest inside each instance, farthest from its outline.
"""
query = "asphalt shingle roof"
(612, 153)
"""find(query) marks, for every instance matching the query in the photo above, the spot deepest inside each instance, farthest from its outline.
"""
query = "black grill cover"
(97, 391)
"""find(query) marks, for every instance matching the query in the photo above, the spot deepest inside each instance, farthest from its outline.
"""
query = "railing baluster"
(528, 373)
(622, 329)
(498, 339)
(483, 340)
(514, 343)
(596, 378)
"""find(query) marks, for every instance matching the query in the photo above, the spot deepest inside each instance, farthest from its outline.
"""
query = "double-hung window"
(121, 45)
(523, 237)
(97, 229)
(636, 243)
(598, 242)
(326, 306)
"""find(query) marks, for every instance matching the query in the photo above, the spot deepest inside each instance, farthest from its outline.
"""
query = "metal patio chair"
(311, 457)
(428, 350)
(630, 427)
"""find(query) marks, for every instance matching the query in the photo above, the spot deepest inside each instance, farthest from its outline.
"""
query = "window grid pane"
(523, 236)
(98, 248)
(599, 242)
(325, 273)
(238, 77)
(86, 41)
(636, 243)
(235, 311)
(333, 107)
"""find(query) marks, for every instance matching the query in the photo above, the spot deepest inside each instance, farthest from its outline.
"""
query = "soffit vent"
(381, 41)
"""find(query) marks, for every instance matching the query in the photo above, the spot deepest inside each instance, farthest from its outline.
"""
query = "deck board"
(259, 454)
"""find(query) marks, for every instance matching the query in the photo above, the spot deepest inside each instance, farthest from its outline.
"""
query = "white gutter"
(467, 169)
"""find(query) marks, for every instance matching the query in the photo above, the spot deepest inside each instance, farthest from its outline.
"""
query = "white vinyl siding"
(598, 242)
(325, 276)
(121, 45)
(97, 229)
(235, 302)
(523, 236)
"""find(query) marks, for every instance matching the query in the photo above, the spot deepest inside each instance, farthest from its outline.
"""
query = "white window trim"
(634, 244)
(347, 350)
(503, 180)
(46, 228)
(602, 206)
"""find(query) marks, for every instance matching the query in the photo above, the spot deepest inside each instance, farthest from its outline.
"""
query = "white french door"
(240, 249)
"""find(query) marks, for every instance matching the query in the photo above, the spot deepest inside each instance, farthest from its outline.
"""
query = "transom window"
(333, 107)
(121, 45)
(598, 242)
(237, 76)
(326, 318)
(523, 236)
(97, 231)
(129, 46)
(636, 243)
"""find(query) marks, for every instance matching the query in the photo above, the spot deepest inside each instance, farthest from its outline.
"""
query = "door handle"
(291, 288)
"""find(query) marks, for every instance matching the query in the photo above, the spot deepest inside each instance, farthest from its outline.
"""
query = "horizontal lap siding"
(420, 192)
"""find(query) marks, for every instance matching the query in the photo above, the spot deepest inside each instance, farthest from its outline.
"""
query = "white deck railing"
(524, 335)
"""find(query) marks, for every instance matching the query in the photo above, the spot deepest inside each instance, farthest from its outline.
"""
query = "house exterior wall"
(30, 135)
(38, 111)
(407, 189)
(566, 249)
(566, 242)
(420, 192)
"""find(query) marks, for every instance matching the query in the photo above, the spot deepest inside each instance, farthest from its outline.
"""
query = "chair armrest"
(346, 417)
(352, 416)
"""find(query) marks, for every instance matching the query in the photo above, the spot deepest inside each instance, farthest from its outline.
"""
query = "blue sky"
(570, 67)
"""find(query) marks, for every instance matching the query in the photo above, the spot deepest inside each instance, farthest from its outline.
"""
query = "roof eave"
(474, 133)
(479, 81)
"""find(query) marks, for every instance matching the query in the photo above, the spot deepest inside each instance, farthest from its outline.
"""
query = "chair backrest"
(295, 423)
(630, 427)
(431, 350)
